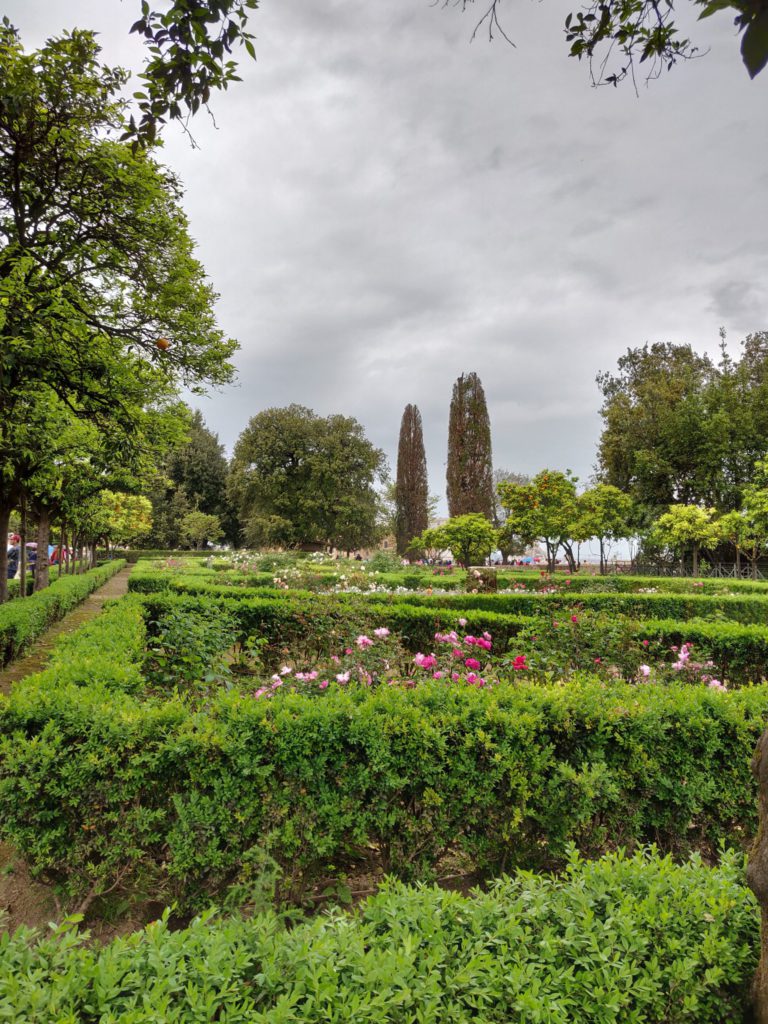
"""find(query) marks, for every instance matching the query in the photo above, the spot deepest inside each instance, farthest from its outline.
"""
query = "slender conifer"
(411, 488)
(470, 465)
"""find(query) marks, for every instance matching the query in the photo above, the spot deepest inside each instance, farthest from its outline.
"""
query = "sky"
(384, 204)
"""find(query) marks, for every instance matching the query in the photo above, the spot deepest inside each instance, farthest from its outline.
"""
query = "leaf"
(754, 44)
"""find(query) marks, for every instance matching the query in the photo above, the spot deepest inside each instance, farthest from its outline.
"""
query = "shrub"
(22, 622)
(612, 941)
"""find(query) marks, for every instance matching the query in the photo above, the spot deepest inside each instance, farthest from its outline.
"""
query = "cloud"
(385, 205)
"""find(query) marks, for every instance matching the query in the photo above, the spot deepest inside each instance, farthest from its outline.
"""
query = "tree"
(102, 303)
(470, 466)
(688, 526)
(299, 479)
(411, 487)
(191, 44)
(604, 512)
(679, 429)
(470, 538)
(644, 32)
(197, 528)
(194, 476)
(545, 509)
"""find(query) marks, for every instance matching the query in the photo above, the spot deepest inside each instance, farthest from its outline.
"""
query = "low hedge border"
(747, 609)
(22, 622)
(101, 788)
(612, 941)
(284, 618)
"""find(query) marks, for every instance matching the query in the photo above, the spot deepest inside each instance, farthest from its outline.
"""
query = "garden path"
(40, 651)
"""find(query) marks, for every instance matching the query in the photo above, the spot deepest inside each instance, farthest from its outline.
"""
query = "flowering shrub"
(380, 659)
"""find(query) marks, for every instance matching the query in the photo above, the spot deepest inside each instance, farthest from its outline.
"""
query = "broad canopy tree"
(103, 307)
(303, 480)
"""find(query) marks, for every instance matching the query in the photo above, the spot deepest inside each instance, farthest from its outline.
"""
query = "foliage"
(469, 473)
(104, 311)
(470, 538)
(197, 528)
(546, 509)
(604, 512)
(190, 44)
(679, 429)
(101, 788)
(302, 479)
(685, 526)
(619, 36)
(615, 940)
(22, 622)
(187, 649)
(411, 487)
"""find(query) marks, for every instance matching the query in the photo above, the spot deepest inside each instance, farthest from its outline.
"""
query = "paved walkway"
(34, 660)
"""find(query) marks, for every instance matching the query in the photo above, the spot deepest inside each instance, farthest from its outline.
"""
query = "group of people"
(14, 555)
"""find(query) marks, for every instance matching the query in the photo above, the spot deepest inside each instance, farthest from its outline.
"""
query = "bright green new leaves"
(688, 526)
(470, 538)
(198, 527)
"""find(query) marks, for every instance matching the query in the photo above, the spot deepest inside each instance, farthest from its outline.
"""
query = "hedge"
(285, 618)
(614, 941)
(22, 622)
(99, 787)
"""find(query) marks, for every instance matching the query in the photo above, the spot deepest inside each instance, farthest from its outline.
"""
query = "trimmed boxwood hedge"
(99, 784)
(22, 622)
(609, 942)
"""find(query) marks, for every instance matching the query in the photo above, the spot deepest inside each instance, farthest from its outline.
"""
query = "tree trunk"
(602, 557)
(738, 562)
(43, 537)
(757, 877)
(23, 551)
(695, 560)
(5, 519)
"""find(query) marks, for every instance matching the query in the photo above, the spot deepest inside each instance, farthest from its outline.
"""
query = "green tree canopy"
(300, 479)
(103, 307)
(411, 486)
(545, 509)
(680, 429)
(688, 527)
(470, 538)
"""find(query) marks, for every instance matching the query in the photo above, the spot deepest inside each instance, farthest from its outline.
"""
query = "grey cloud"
(385, 205)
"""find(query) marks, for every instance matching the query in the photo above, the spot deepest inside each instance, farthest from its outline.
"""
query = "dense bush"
(22, 622)
(287, 618)
(610, 942)
(99, 788)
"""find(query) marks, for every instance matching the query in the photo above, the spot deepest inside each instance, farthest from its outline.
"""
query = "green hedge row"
(287, 618)
(99, 787)
(747, 609)
(132, 555)
(22, 622)
(609, 942)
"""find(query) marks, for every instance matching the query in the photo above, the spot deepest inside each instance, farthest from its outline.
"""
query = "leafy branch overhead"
(616, 35)
(190, 55)
(191, 45)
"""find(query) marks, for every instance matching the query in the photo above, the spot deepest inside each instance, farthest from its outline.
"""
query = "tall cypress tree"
(411, 488)
(470, 466)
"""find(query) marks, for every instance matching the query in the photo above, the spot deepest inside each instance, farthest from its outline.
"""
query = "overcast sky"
(385, 204)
